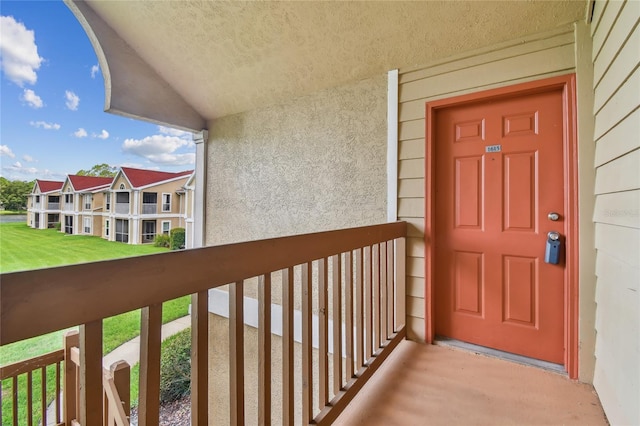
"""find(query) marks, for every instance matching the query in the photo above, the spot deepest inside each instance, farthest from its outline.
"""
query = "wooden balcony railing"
(351, 281)
(64, 364)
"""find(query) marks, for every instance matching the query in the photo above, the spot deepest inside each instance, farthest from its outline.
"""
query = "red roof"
(81, 183)
(49, 185)
(140, 177)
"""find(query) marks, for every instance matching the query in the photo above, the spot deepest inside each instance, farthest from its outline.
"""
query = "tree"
(101, 170)
(13, 194)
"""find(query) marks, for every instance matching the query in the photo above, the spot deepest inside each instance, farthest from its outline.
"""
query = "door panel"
(498, 173)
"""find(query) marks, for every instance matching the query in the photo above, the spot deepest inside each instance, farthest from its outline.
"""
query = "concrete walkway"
(130, 351)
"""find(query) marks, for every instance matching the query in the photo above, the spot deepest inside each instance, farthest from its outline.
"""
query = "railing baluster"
(348, 313)
(323, 331)
(383, 293)
(375, 272)
(307, 357)
(43, 394)
(150, 346)
(199, 358)
(359, 322)
(121, 373)
(368, 297)
(236, 352)
(29, 398)
(400, 274)
(14, 391)
(70, 412)
(337, 323)
(390, 286)
(264, 347)
(58, 389)
(91, 373)
(287, 348)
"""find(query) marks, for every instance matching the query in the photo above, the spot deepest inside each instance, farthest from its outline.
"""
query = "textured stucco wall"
(312, 164)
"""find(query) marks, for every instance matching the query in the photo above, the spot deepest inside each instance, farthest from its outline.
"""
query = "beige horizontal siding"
(620, 175)
(617, 142)
(534, 57)
(619, 71)
(620, 242)
(411, 149)
(513, 68)
(616, 57)
(411, 188)
(619, 208)
(623, 102)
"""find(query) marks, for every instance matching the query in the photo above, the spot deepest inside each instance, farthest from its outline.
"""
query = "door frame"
(567, 83)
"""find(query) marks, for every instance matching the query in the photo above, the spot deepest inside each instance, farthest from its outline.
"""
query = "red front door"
(498, 175)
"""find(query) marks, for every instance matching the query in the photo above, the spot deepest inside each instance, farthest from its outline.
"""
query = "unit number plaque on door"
(493, 148)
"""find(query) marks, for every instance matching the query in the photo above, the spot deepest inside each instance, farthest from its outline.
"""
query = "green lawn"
(23, 248)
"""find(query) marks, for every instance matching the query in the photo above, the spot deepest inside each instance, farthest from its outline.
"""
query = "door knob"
(553, 216)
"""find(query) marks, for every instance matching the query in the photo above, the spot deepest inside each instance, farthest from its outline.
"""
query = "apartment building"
(132, 207)
(43, 205)
(143, 204)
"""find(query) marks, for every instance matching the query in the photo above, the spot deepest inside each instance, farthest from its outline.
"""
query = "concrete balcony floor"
(437, 385)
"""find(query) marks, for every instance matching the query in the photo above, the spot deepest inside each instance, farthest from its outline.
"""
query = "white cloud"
(102, 135)
(73, 100)
(19, 171)
(28, 158)
(160, 149)
(19, 57)
(80, 133)
(175, 132)
(45, 125)
(94, 70)
(30, 97)
(6, 151)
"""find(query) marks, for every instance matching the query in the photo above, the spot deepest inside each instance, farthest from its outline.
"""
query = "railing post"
(150, 344)
(199, 357)
(91, 373)
(71, 339)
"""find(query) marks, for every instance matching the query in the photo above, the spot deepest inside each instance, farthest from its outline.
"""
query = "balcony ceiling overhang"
(184, 63)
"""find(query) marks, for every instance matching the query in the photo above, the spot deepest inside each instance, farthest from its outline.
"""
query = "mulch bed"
(176, 413)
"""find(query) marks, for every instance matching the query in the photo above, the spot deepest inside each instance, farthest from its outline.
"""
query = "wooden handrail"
(31, 364)
(360, 277)
(48, 291)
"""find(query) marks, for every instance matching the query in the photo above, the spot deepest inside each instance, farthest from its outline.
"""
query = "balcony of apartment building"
(68, 203)
(149, 203)
(53, 202)
(311, 330)
(123, 203)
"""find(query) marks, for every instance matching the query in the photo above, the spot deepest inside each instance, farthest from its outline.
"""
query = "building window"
(87, 225)
(108, 202)
(68, 224)
(166, 202)
(37, 198)
(106, 228)
(149, 202)
(122, 230)
(166, 227)
(87, 202)
(122, 186)
(68, 198)
(148, 231)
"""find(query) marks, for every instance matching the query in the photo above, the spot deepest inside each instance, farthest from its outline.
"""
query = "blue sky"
(52, 121)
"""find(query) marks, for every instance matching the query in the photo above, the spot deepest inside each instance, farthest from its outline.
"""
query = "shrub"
(161, 241)
(175, 367)
(177, 238)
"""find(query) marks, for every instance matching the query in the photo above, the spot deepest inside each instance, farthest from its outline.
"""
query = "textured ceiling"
(227, 57)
